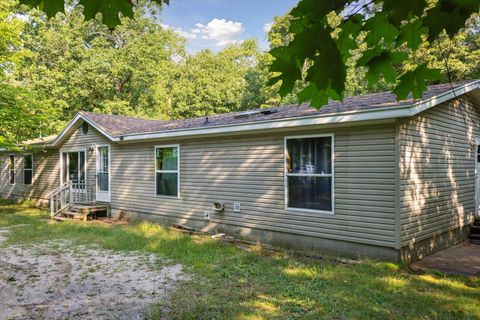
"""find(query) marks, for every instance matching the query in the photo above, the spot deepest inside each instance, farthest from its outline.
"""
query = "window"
(11, 169)
(309, 173)
(167, 170)
(27, 168)
(73, 166)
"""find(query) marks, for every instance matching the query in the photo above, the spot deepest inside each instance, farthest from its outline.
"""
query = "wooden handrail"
(71, 192)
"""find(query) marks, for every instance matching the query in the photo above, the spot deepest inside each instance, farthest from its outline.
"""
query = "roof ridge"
(365, 95)
(86, 113)
(119, 125)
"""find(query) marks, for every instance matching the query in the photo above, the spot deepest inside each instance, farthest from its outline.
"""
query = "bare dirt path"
(59, 280)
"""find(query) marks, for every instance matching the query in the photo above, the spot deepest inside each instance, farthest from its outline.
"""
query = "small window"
(11, 169)
(27, 168)
(309, 173)
(167, 170)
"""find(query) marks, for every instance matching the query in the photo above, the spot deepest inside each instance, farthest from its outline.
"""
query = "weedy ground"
(226, 282)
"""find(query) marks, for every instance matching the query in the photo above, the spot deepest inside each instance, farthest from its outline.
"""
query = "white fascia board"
(441, 98)
(396, 112)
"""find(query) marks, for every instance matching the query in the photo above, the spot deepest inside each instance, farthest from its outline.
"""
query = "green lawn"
(229, 283)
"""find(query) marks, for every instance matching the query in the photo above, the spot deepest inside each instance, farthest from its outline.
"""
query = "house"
(369, 176)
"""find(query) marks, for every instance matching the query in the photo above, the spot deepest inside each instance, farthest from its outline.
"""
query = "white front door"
(103, 173)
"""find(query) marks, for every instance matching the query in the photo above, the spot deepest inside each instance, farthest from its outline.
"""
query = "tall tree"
(209, 83)
(22, 116)
(81, 65)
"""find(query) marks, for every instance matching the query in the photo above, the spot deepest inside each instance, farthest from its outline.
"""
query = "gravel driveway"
(60, 280)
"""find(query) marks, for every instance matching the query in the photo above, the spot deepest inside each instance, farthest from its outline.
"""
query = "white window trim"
(9, 170)
(31, 169)
(84, 149)
(166, 171)
(286, 174)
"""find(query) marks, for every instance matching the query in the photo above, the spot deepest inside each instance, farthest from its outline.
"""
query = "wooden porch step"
(75, 215)
(61, 218)
(90, 207)
(80, 211)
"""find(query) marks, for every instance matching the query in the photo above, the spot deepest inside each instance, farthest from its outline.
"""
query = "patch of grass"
(228, 283)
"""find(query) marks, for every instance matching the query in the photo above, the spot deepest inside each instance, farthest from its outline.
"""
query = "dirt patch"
(60, 280)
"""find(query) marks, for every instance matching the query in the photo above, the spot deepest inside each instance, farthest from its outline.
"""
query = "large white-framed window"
(11, 169)
(167, 170)
(309, 173)
(27, 168)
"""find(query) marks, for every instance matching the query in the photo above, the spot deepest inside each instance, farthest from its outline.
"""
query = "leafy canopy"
(109, 9)
(51, 68)
(324, 35)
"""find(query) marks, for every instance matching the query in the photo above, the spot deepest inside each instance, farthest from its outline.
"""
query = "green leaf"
(328, 70)
(50, 7)
(382, 63)
(449, 15)
(289, 74)
(347, 36)
(307, 93)
(320, 99)
(415, 82)
(379, 28)
(317, 9)
(109, 9)
(400, 11)
(411, 33)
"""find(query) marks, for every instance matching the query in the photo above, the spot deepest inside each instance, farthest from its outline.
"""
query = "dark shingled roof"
(120, 125)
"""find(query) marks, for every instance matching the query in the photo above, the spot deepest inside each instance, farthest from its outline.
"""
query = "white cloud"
(221, 31)
(216, 33)
(267, 27)
(187, 35)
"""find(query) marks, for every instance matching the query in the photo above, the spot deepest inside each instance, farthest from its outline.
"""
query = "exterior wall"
(250, 170)
(79, 141)
(437, 176)
(45, 176)
(46, 168)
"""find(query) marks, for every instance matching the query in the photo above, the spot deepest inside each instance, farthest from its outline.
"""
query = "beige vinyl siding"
(250, 170)
(45, 175)
(437, 170)
(79, 141)
(46, 166)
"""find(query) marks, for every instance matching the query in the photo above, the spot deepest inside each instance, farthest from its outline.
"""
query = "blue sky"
(215, 24)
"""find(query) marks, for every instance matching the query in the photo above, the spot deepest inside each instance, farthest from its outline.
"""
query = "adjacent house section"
(370, 176)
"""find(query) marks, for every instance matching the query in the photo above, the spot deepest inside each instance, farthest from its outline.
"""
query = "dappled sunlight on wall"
(437, 170)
